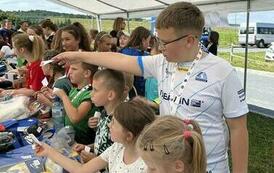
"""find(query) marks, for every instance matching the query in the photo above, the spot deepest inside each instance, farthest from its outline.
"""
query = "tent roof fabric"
(148, 8)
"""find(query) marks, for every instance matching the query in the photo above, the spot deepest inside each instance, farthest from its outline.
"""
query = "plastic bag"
(62, 141)
(14, 108)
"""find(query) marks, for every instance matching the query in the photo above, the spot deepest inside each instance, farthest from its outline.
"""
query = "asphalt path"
(242, 50)
(259, 88)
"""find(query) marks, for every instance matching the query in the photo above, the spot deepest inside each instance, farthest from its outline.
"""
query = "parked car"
(269, 53)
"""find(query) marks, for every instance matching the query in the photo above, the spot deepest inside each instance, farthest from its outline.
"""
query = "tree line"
(35, 16)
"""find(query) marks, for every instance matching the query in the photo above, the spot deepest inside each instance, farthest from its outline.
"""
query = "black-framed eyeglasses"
(163, 44)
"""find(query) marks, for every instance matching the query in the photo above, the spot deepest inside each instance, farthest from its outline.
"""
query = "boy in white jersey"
(191, 84)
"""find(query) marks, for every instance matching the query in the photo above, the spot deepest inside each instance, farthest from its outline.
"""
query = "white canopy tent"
(215, 11)
(146, 8)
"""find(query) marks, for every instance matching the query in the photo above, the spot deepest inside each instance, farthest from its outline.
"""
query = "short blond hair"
(164, 140)
(181, 16)
(113, 80)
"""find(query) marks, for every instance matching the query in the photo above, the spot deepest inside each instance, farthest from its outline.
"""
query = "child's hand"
(85, 156)
(48, 92)
(43, 149)
(93, 122)
(78, 148)
(42, 98)
(59, 92)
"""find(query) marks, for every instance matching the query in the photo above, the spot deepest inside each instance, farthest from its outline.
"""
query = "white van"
(261, 34)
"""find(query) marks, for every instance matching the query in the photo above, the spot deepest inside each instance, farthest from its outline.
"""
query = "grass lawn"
(227, 36)
(261, 144)
(255, 61)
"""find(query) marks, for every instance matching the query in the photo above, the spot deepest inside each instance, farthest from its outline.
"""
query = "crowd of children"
(193, 91)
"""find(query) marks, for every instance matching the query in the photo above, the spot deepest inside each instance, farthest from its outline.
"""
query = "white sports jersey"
(212, 93)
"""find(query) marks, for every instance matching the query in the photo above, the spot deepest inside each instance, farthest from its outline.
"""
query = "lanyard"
(174, 100)
(80, 92)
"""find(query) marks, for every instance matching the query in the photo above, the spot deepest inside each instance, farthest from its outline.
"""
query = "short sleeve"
(106, 154)
(151, 65)
(233, 97)
(37, 77)
(63, 84)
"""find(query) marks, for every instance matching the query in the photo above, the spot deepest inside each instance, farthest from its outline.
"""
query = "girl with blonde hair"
(31, 48)
(172, 145)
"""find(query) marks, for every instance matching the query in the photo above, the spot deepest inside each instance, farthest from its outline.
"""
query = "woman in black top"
(213, 42)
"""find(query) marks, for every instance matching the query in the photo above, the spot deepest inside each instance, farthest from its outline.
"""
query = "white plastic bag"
(15, 108)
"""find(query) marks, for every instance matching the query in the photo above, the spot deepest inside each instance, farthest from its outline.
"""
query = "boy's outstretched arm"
(116, 61)
(238, 144)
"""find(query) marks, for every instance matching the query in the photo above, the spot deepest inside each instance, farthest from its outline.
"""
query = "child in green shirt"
(77, 104)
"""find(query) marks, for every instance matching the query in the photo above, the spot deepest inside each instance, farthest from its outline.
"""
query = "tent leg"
(128, 27)
(246, 44)
(99, 25)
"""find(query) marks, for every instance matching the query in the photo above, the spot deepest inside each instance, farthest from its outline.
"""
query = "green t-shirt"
(83, 134)
(64, 84)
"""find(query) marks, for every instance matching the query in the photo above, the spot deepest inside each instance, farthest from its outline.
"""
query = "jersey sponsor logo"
(182, 100)
(241, 94)
(201, 77)
(195, 103)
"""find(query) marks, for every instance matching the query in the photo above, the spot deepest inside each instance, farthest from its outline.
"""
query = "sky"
(24, 5)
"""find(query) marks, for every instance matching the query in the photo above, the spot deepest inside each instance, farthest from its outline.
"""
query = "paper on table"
(45, 82)
(46, 62)
(35, 140)
(87, 149)
(97, 114)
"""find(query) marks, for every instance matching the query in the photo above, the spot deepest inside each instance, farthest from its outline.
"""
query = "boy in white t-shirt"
(192, 84)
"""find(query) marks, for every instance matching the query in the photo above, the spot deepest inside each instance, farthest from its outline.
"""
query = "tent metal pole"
(246, 43)
(99, 26)
(128, 27)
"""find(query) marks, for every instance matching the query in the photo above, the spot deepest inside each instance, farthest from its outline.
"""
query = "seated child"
(172, 145)
(77, 104)
(129, 119)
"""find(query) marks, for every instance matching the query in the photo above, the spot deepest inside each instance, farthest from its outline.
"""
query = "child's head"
(179, 28)
(36, 30)
(75, 37)
(123, 38)
(171, 144)
(107, 86)
(103, 42)
(129, 119)
(154, 45)
(48, 27)
(81, 72)
(56, 43)
(139, 38)
(93, 33)
(182, 17)
(26, 46)
(52, 68)
(119, 24)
